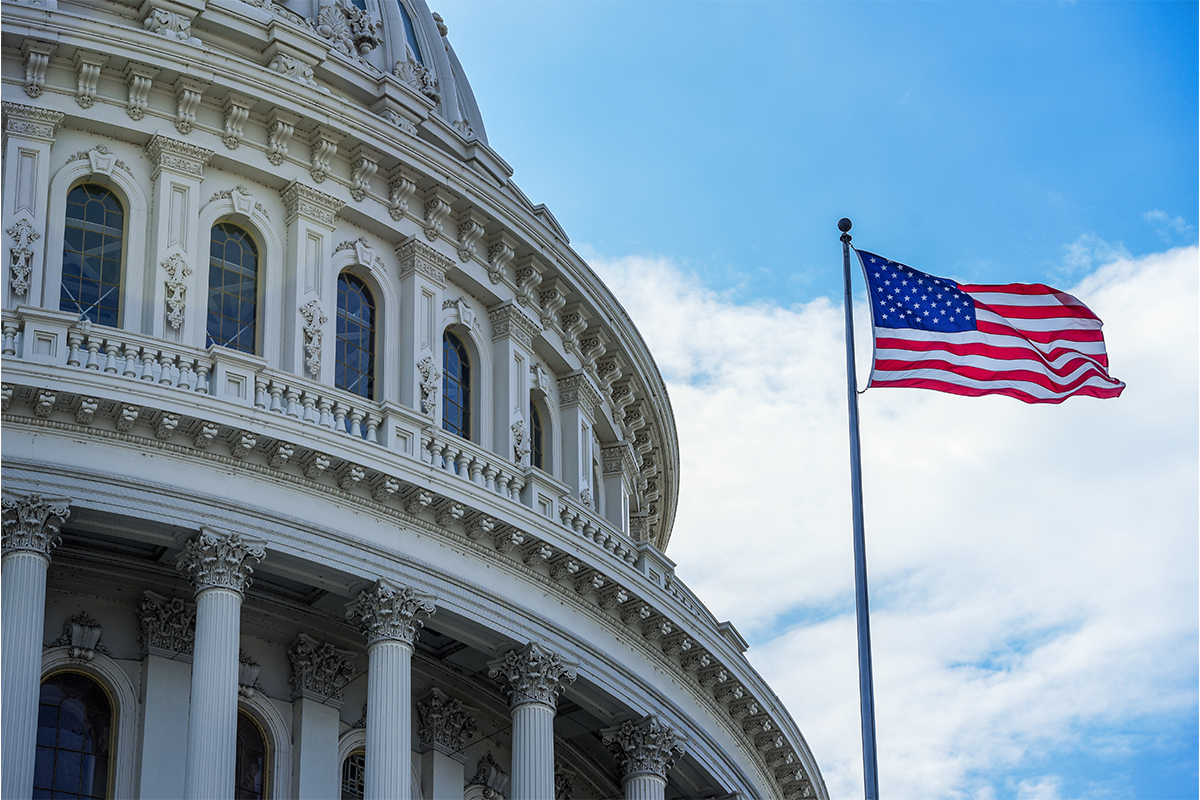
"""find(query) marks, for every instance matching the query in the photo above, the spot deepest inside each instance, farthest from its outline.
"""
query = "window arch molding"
(356, 739)
(551, 431)
(481, 374)
(124, 696)
(270, 274)
(387, 317)
(279, 743)
(135, 275)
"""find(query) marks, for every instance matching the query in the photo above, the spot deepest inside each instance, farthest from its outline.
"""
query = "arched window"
(93, 242)
(355, 368)
(354, 775)
(73, 738)
(410, 35)
(232, 288)
(252, 759)
(456, 386)
(537, 434)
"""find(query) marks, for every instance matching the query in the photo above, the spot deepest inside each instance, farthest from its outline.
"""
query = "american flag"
(1024, 340)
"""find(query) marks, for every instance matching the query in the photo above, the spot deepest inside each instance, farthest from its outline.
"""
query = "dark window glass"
(355, 357)
(250, 763)
(456, 386)
(409, 35)
(73, 738)
(536, 433)
(92, 249)
(232, 288)
(354, 773)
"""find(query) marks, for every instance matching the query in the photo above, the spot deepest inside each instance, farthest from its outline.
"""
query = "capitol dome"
(330, 469)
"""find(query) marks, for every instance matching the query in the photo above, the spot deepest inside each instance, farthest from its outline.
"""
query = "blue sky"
(1034, 568)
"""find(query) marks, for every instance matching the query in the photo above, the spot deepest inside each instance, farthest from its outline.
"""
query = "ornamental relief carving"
(417, 75)
(644, 746)
(81, 635)
(349, 29)
(32, 523)
(21, 256)
(431, 379)
(167, 627)
(314, 321)
(37, 59)
(177, 274)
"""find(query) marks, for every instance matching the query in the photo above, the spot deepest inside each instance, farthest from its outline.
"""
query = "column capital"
(302, 200)
(577, 389)
(32, 523)
(534, 674)
(390, 611)
(445, 725)
(31, 121)
(182, 158)
(319, 671)
(509, 320)
(645, 746)
(416, 256)
(215, 560)
(167, 626)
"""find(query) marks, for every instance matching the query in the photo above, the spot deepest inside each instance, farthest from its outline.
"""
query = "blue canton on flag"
(903, 297)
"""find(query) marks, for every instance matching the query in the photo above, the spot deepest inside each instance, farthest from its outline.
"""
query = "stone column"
(219, 567)
(31, 528)
(645, 751)
(389, 616)
(444, 730)
(319, 671)
(535, 678)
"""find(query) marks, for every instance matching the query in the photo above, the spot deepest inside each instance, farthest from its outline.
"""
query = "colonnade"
(219, 565)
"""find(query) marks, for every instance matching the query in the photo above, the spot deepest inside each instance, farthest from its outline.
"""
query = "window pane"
(456, 386)
(355, 337)
(232, 288)
(92, 246)
(75, 722)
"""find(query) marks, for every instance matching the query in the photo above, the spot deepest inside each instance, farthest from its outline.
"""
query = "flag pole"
(866, 689)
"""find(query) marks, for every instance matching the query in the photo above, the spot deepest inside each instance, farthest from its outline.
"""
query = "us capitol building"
(329, 468)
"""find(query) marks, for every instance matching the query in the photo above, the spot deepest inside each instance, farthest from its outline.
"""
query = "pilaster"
(422, 281)
(31, 526)
(512, 349)
(28, 136)
(311, 220)
(176, 305)
(578, 403)
(319, 672)
(444, 731)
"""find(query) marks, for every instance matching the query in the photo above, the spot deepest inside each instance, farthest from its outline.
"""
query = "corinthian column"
(645, 751)
(219, 567)
(389, 616)
(535, 678)
(31, 527)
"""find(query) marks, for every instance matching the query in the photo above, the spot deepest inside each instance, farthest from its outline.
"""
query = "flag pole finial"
(844, 225)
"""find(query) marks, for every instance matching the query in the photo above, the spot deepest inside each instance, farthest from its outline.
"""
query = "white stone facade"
(459, 582)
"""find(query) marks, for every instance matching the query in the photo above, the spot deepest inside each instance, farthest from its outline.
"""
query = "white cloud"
(1088, 252)
(1033, 568)
(1169, 228)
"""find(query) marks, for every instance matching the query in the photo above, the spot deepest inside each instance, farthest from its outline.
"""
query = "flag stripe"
(1028, 341)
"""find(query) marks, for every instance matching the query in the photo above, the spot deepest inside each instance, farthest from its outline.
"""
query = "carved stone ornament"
(388, 611)
(489, 775)
(88, 76)
(415, 255)
(31, 523)
(314, 320)
(248, 670)
(534, 674)
(417, 75)
(220, 561)
(31, 122)
(443, 722)
(237, 111)
(37, 59)
(564, 783)
(520, 442)
(167, 627)
(319, 670)
(324, 147)
(176, 156)
(350, 29)
(139, 79)
(508, 320)
(431, 379)
(177, 274)
(304, 201)
(169, 25)
(646, 746)
(21, 256)
(400, 191)
(294, 68)
(81, 634)
(188, 93)
(279, 134)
